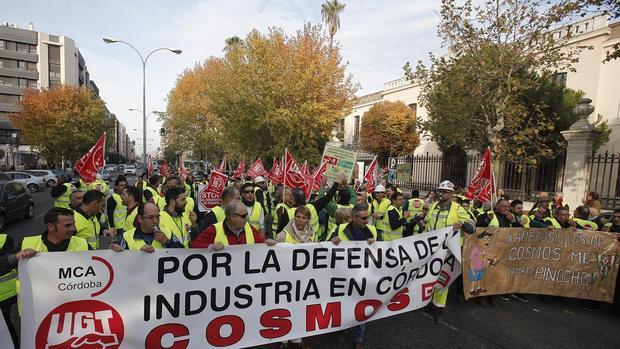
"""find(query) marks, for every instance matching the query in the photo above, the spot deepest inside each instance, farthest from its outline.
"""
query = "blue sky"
(377, 38)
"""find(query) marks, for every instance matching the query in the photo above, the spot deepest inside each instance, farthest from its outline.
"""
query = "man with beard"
(172, 216)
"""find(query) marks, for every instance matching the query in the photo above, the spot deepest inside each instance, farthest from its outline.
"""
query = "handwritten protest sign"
(244, 295)
(561, 262)
(339, 161)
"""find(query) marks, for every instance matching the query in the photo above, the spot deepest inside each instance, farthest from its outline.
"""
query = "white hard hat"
(259, 179)
(446, 185)
(380, 188)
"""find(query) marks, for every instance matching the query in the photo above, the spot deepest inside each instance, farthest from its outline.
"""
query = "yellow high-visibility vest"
(220, 234)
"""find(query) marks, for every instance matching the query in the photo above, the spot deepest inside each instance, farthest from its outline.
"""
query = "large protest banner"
(338, 161)
(240, 296)
(561, 262)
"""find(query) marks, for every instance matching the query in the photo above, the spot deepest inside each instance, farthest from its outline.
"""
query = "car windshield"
(4, 177)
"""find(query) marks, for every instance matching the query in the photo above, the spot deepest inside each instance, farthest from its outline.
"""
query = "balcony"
(19, 55)
(17, 73)
(402, 82)
(11, 90)
(9, 107)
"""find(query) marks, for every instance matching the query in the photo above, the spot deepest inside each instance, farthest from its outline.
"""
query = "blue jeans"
(358, 332)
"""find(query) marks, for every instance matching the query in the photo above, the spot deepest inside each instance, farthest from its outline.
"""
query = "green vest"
(36, 243)
(553, 222)
(65, 199)
(453, 217)
(524, 220)
(179, 226)
(390, 234)
(219, 213)
(414, 206)
(276, 218)
(586, 224)
(120, 212)
(8, 287)
(254, 218)
(88, 229)
(129, 219)
(136, 244)
(343, 237)
(220, 234)
(155, 195)
(381, 208)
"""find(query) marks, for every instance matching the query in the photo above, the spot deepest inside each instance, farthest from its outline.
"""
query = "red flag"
(164, 169)
(223, 165)
(275, 174)
(239, 170)
(93, 159)
(319, 174)
(483, 184)
(256, 169)
(210, 195)
(369, 176)
(293, 177)
(149, 166)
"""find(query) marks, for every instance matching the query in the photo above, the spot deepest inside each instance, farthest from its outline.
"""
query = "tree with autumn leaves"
(62, 122)
(269, 92)
(389, 129)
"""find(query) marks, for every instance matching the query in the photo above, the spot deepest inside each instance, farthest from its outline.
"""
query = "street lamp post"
(177, 51)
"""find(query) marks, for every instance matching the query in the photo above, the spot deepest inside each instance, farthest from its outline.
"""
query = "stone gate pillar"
(580, 137)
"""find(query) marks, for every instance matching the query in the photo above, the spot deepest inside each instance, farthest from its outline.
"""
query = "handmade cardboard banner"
(338, 161)
(560, 262)
(244, 295)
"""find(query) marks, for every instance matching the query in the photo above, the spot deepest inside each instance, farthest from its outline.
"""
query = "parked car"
(15, 202)
(50, 178)
(111, 167)
(130, 170)
(32, 182)
(4, 177)
(121, 166)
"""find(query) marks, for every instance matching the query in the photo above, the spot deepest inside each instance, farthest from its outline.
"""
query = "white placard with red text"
(132, 299)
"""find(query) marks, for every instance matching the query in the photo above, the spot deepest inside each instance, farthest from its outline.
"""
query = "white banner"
(241, 296)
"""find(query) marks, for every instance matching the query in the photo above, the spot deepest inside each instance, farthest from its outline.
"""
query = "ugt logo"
(86, 324)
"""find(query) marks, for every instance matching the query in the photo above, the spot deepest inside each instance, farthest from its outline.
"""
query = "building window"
(23, 47)
(21, 65)
(53, 54)
(9, 99)
(2, 45)
(32, 66)
(356, 130)
(560, 79)
(23, 83)
(7, 81)
(33, 48)
(32, 84)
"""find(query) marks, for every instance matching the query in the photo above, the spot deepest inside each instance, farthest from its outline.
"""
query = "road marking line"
(441, 322)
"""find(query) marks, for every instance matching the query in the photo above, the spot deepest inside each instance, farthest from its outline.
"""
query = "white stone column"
(577, 169)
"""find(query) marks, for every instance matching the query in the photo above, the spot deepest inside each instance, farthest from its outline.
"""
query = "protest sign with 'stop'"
(560, 262)
(243, 295)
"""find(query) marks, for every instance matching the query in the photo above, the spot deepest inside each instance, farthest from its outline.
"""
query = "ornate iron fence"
(605, 178)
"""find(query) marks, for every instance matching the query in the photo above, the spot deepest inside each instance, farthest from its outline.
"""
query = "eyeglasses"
(363, 218)
(248, 192)
(151, 217)
(244, 216)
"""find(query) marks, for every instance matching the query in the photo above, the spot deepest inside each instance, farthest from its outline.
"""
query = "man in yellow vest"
(256, 215)
(62, 192)
(581, 216)
(116, 211)
(379, 207)
(217, 214)
(233, 230)
(517, 211)
(59, 235)
(76, 199)
(357, 230)
(394, 219)
(415, 207)
(441, 214)
(151, 193)
(147, 236)
(86, 221)
(561, 219)
(9, 257)
(131, 198)
(172, 216)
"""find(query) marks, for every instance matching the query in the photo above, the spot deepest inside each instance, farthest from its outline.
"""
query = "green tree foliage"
(389, 129)
(64, 121)
(483, 92)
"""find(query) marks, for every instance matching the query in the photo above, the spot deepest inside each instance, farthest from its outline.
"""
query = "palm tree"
(330, 11)
(232, 41)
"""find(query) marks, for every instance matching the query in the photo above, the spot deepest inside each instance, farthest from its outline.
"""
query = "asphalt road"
(559, 324)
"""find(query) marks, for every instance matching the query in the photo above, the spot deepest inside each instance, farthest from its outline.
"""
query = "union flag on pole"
(222, 167)
(369, 176)
(293, 177)
(277, 172)
(164, 169)
(483, 184)
(93, 159)
(238, 174)
(319, 174)
(257, 169)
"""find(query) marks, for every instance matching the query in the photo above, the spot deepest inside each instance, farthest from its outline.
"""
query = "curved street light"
(144, 60)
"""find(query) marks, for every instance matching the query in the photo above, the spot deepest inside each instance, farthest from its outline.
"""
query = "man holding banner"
(147, 235)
